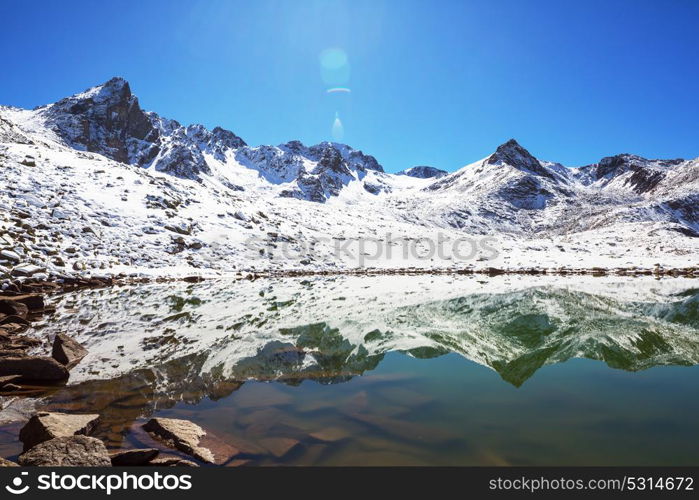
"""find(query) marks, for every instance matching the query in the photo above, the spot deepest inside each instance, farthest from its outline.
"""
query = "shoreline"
(71, 284)
(64, 285)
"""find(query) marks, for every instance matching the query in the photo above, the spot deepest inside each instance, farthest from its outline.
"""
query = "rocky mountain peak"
(611, 165)
(511, 153)
(614, 165)
(115, 92)
(104, 119)
(108, 119)
(423, 172)
(638, 173)
(117, 86)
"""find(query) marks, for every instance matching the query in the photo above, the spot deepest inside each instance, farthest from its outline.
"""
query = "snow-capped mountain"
(423, 172)
(311, 173)
(107, 119)
(93, 183)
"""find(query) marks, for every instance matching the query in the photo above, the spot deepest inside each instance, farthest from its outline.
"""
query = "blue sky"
(435, 82)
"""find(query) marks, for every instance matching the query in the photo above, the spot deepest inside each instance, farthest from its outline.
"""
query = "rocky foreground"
(16, 364)
(60, 439)
(53, 439)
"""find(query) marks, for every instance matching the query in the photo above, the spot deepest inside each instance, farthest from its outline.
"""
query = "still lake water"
(398, 370)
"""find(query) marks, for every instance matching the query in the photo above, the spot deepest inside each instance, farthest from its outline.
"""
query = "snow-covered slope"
(93, 183)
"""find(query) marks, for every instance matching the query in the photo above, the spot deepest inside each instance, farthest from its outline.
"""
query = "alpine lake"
(388, 370)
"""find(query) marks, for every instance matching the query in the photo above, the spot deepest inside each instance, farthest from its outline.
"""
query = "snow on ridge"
(122, 189)
(423, 172)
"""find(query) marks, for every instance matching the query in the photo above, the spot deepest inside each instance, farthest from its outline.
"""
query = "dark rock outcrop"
(38, 368)
(423, 172)
(108, 120)
(33, 301)
(11, 307)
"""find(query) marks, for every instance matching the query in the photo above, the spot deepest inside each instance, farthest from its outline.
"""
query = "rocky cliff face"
(423, 172)
(313, 173)
(107, 119)
(632, 172)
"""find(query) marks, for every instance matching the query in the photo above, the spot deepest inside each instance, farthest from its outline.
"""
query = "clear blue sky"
(433, 82)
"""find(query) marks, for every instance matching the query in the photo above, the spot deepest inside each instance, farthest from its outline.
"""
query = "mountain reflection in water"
(386, 360)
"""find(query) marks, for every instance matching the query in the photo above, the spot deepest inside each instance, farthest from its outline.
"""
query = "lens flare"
(335, 90)
(334, 67)
(338, 131)
(333, 58)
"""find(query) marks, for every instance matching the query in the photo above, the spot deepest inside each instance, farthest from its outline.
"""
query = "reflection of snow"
(291, 327)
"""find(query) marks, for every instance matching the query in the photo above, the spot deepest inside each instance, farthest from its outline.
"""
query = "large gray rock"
(49, 425)
(134, 457)
(10, 255)
(70, 451)
(180, 434)
(39, 368)
(67, 351)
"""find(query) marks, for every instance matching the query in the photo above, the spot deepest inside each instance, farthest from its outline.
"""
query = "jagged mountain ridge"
(423, 172)
(513, 187)
(108, 119)
(148, 192)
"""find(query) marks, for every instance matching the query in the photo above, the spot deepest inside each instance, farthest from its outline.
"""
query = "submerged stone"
(134, 457)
